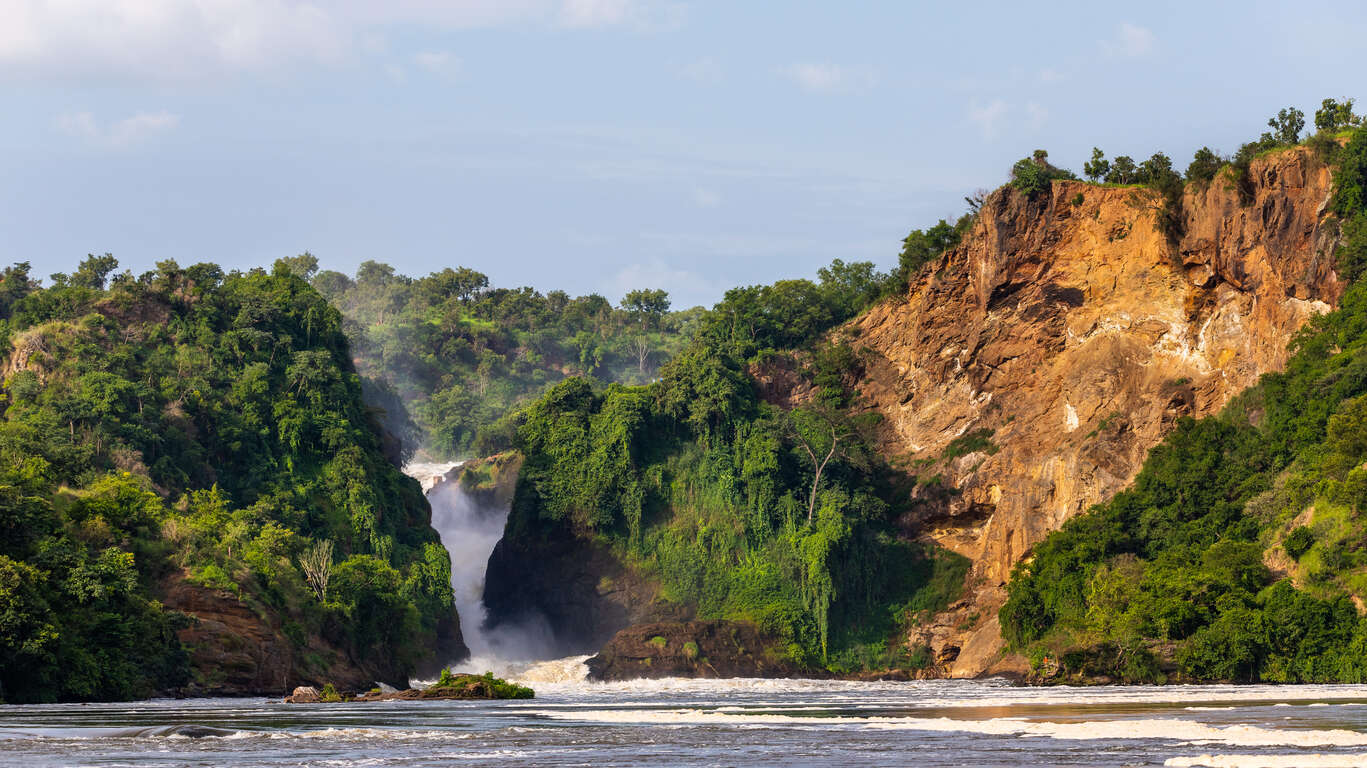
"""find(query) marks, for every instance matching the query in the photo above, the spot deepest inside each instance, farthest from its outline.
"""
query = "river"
(573, 722)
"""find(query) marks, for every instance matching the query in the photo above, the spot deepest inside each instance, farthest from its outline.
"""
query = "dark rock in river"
(575, 585)
(691, 649)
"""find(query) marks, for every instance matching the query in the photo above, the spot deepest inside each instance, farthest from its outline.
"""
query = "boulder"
(304, 694)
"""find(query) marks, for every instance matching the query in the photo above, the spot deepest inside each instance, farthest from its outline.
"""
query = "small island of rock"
(448, 686)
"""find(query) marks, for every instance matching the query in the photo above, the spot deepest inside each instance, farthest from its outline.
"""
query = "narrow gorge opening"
(470, 527)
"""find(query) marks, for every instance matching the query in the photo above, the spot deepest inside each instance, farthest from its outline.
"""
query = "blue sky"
(601, 145)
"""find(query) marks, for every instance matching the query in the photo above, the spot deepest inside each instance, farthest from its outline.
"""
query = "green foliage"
(1298, 541)
(1033, 175)
(188, 422)
(1350, 203)
(1123, 171)
(484, 686)
(1287, 126)
(1204, 166)
(465, 356)
(1334, 116)
(714, 494)
(1098, 167)
(971, 442)
(924, 246)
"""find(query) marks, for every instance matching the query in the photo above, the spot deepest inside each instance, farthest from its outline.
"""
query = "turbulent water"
(719, 723)
(470, 531)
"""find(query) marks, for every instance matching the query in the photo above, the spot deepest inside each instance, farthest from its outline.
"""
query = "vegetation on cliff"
(1238, 553)
(738, 508)
(187, 421)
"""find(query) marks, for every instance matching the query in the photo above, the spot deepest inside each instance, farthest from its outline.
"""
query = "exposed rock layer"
(234, 651)
(1070, 327)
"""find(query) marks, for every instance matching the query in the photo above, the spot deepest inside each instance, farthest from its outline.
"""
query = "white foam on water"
(1269, 761)
(1185, 731)
(470, 531)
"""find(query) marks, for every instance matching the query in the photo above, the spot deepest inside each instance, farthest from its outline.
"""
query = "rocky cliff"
(236, 650)
(1062, 339)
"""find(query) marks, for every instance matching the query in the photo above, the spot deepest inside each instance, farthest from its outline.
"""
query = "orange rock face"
(1077, 333)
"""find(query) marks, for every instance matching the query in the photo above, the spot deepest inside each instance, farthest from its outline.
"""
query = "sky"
(602, 145)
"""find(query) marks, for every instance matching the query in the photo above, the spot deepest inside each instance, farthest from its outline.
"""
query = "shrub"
(1298, 541)
(1033, 175)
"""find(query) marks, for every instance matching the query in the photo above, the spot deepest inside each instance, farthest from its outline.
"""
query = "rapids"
(742, 722)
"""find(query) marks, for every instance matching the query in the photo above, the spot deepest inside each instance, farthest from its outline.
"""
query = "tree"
(1286, 126)
(305, 265)
(1123, 171)
(317, 565)
(1204, 165)
(1155, 171)
(1096, 168)
(820, 434)
(850, 287)
(648, 305)
(1034, 174)
(469, 284)
(373, 273)
(1334, 116)
(93, 270)
(15, 284)
(641, 346)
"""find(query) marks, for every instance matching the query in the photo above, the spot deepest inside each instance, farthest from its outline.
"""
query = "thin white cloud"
(987, 117)
(1131, 41)
(186, 39)
(1036, 115)
(442, 63)
(815, 76)
(703, 70)
(706, 198)
(131, 130)
(595, 13)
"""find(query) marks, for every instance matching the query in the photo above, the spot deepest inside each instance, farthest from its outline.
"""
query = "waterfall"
(470, 530)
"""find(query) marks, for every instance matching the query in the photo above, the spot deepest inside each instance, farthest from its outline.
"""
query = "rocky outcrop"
(691, 649)
(579, 589)
(1063, 338)
(236, 651)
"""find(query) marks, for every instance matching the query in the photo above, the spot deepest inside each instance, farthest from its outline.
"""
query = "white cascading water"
(524, 652)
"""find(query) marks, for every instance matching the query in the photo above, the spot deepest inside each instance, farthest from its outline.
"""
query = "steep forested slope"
(693, 496)
(190, 439)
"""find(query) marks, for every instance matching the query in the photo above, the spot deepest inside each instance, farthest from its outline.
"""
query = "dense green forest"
(1240, 552)
(455, 354)
(739, 508)
(187, 422)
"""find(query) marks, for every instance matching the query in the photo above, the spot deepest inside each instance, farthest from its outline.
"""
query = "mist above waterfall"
(470, 530)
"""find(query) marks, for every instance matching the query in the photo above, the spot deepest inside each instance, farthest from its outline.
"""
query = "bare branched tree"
(317, 565)
(813, 444)
(641, 346)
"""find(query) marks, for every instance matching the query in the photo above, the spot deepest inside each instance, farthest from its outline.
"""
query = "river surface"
(718, 723)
